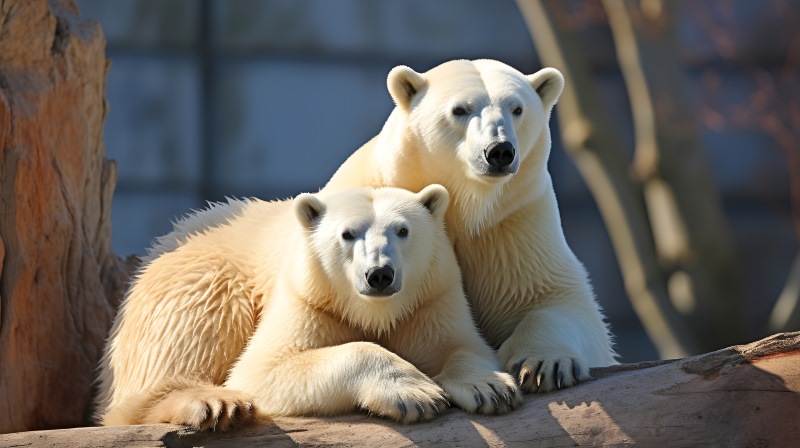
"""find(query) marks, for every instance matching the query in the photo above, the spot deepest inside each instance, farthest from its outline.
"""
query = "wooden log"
(746, 395)
(59, 279)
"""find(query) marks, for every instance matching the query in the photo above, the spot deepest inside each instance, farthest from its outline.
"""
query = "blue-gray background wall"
(266, 98)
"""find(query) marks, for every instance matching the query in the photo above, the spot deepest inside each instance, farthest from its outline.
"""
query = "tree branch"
(592, 145)
(691, 235)
(786, 313)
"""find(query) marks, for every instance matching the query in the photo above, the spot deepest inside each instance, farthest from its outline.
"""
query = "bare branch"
(786, 313)
(691, 235)
(595, 150)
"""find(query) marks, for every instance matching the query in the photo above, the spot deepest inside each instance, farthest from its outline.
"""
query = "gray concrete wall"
(266, 98)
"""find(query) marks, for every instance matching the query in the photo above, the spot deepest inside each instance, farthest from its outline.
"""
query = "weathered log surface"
(59, 279)
(742, 396)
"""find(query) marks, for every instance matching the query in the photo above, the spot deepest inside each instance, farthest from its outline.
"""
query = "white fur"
(255, 304)
(531, 296)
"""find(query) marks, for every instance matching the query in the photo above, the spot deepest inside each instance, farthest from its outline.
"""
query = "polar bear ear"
(308, 209)
(435, 198)
(403, 84)
(548, 83)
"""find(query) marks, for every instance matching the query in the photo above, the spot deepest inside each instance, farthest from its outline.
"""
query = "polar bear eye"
(348, 236)
(459, 111)
(517, 111)
(402, 233)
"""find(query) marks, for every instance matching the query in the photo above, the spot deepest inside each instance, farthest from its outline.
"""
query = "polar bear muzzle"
(380, 281)
(500, 157)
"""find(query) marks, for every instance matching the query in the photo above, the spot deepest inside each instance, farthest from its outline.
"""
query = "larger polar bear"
(314, 306)
(480, 128)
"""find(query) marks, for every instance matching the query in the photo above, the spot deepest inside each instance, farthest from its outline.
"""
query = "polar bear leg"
(185, 402)
(557, 342)
(475, 384)
(203, 406)
(471, 375)
(338, 379)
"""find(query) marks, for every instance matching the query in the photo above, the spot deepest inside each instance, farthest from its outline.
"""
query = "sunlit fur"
(253, 303)
(531, 296)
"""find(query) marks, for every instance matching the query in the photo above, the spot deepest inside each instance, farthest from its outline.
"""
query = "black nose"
(500, 155)
(380, 278)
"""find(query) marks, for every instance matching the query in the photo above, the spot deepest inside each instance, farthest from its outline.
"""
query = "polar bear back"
(201, 277)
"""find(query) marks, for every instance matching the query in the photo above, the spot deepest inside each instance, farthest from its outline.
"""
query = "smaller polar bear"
(319, 305)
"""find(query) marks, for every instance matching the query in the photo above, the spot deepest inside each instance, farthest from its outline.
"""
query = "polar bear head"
(377, 249)
(476, 124)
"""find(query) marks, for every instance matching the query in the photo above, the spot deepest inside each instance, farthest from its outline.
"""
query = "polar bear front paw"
(205, 408)
(488, 393)
(406, 400)
(546, 374)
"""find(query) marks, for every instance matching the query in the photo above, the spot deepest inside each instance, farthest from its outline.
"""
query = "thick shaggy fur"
(530, 295)
(253, 305)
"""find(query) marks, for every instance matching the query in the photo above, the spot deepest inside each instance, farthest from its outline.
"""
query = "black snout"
(380, 277)
(500, 155)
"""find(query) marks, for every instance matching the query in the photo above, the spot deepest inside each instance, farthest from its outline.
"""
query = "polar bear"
(480, 128)
(319, 305)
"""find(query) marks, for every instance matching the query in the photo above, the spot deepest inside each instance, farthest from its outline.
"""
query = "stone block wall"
(218, 98)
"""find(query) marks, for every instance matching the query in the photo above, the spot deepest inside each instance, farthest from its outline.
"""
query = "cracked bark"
(59, 281)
